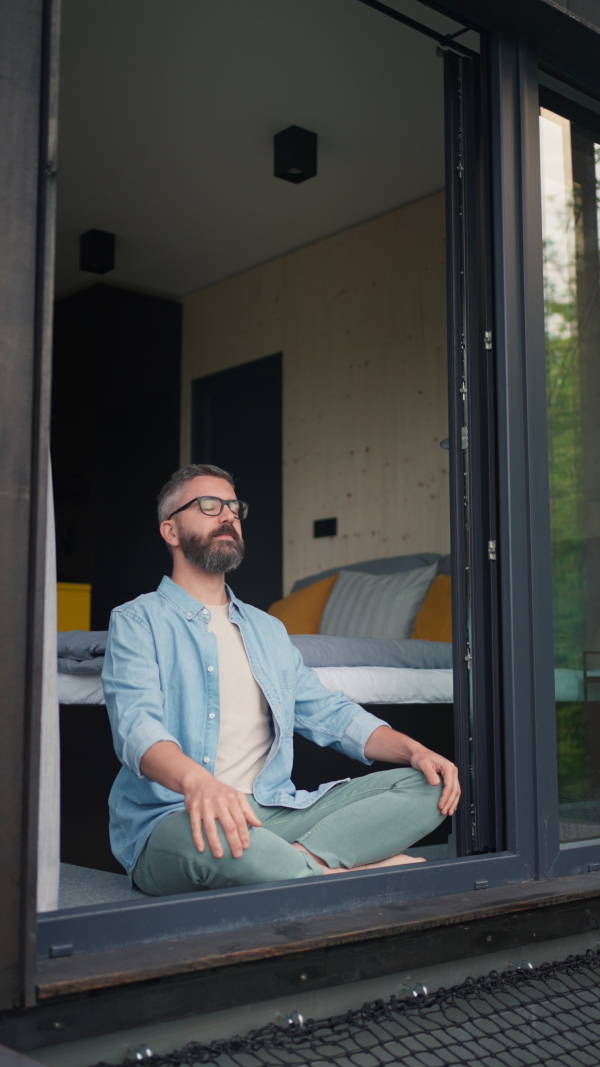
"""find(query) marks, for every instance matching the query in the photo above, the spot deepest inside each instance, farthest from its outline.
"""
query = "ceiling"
(167, 114)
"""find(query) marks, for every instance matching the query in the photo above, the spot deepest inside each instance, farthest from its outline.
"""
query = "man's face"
(211, 543)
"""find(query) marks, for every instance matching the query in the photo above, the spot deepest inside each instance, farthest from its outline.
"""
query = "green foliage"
(565, 461)
(563, 393)
(566, 473)
(573, 752)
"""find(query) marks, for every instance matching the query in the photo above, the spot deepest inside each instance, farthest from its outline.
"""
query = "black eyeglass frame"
(242, 513)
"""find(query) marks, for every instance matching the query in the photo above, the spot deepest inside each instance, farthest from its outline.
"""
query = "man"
(204, 694)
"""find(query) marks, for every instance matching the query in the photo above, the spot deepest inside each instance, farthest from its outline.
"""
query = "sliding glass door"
(570, 155)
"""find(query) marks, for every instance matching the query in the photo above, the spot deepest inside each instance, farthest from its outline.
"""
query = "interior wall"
(361, 320)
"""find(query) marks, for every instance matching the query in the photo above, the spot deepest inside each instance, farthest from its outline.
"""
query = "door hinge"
(473, 823)
(487, 339)
(491, 550)
(464, 437)
(469, 657)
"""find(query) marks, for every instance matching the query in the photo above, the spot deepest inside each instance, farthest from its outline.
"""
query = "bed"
(366, 670)
(379, 632)
(357, 626)
(408, 683)
(365, 684)
(392, 678)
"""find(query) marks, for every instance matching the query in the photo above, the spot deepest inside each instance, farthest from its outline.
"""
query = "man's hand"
(206, 800)
(394, 747)
(434, 767)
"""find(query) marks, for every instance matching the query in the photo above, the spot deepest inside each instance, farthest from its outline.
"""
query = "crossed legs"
(364, 823)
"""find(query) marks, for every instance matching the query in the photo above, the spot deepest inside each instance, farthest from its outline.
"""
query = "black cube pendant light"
(295, 154)
(97, 251)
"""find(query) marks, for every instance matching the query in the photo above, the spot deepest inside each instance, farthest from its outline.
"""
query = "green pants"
(357, 822)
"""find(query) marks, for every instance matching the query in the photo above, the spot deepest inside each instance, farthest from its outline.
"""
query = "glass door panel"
(570, 156)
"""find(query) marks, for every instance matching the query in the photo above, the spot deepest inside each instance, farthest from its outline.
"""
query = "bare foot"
(392, 861)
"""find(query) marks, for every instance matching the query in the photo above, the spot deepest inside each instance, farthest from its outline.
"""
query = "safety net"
(547, 1015)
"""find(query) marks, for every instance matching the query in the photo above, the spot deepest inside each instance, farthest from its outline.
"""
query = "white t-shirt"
(246, 730)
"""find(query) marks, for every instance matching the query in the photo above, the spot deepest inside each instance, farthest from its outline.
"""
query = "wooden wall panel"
(360, 318)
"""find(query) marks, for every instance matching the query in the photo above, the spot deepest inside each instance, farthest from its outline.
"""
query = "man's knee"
(171, 863)
(430, 794)
(424, 798)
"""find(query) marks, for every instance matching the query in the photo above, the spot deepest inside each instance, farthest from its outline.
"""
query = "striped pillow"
(373, 605)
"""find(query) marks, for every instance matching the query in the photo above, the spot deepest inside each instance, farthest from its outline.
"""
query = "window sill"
(459, 921)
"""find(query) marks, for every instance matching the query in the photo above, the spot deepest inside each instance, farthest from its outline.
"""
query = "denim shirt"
(161, 683)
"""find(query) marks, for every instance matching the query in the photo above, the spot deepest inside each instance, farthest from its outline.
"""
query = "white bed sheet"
(401, 685)
(80, 689)
(365, 685)
(388, 685)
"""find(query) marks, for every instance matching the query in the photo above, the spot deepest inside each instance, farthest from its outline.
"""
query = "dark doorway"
(236, 424)
(115, 438)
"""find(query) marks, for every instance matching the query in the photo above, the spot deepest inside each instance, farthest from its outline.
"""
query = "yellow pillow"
(301, 612)
(434, 621)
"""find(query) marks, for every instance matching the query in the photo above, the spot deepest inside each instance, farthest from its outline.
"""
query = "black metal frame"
(456, 284)
(472, 459)
(488, 835)
(522, 510)
(445, 40)
(28, 55)
(509, 75)
(566, 44)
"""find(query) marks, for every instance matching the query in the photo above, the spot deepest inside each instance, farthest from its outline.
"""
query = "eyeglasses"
(213, 505)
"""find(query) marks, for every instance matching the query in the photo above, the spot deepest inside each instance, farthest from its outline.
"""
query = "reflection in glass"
(570, 179)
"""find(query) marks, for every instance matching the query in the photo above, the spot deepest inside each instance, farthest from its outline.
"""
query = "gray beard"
(215, 559)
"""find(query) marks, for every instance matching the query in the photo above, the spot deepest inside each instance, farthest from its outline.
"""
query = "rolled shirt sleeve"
(132, 690)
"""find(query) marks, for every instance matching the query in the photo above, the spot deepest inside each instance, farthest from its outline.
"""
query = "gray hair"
(168, 498)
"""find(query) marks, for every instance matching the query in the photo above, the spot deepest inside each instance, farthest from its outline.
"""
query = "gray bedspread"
(82, 652)
(320, 651)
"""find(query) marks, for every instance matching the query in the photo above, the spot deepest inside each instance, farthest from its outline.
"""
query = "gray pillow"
(370, 605)
(385, 565)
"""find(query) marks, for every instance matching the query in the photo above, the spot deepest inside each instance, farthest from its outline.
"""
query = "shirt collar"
(188, 604)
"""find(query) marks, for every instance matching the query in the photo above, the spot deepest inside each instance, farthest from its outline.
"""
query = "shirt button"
(206, 760)
(189, 615)
(211, 668)
(212, 715)
(208, 630)
(204, 611)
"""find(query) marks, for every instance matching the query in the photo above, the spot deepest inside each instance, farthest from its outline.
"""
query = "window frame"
(93, 929)
(28, 112)
(471, 362)
(510, 76)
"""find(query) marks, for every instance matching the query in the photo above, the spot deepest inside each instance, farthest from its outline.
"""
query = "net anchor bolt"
(291, 1020)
